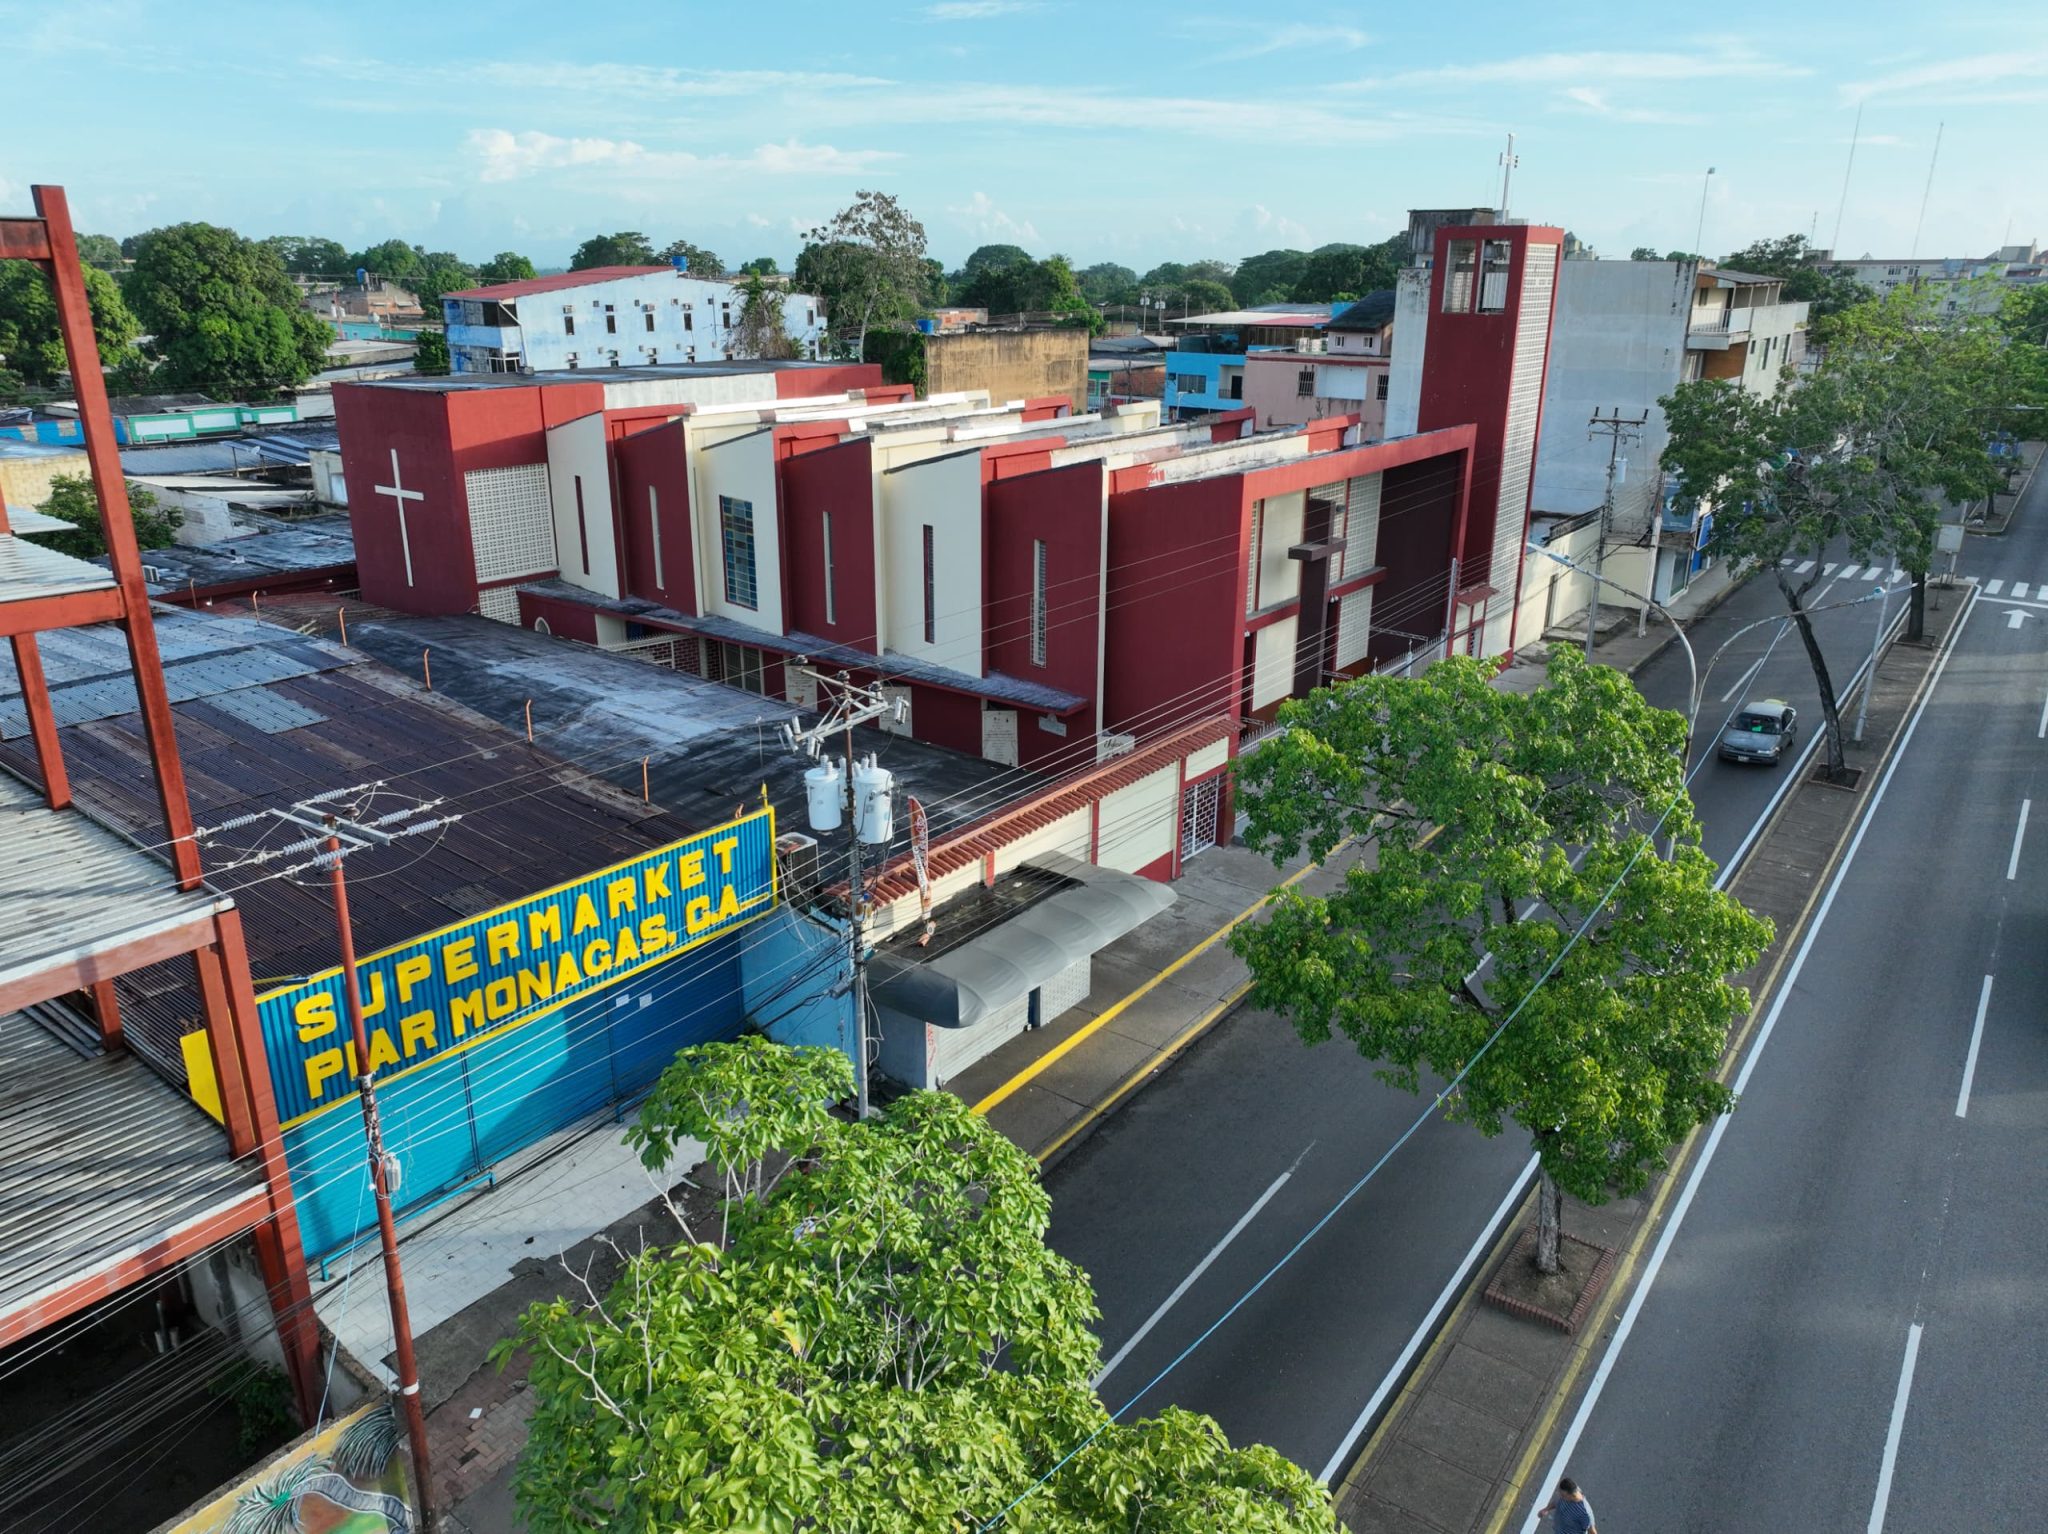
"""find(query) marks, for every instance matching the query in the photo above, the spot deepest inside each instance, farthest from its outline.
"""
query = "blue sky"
(1135, 133)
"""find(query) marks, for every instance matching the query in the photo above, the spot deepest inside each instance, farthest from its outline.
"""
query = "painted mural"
(349, 1478)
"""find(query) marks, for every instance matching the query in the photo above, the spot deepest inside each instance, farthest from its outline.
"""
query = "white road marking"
(1199, 1269)
(2015, 616)
(1970, 1059)
(1827, 569)
(1895, 1431)
(1897, 575)
(2019, 834)
(1992, 588)
(1570, 1443)
(2019, 589)
(2041, 733)
(1804, 567)
(1743, 680)
(1873, 572)
(1396, 1374)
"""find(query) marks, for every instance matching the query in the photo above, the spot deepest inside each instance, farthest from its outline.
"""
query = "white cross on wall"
(397, 491)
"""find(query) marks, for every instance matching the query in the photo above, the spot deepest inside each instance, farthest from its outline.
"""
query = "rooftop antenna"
(1855, 134)
(1700, 232)
(1926, 192)
(1508, 161)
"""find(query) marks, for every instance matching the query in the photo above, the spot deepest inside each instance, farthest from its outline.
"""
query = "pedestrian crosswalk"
(2018, 591)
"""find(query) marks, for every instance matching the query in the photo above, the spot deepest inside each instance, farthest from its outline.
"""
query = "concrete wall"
(653, 317)
(741, 466)
(1063, 509)
(1010, 364)
(27, 470)
(1411, 338)
(580, 489)
(943, 494)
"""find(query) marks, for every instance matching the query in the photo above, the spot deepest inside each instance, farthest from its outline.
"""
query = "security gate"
(1198, 802)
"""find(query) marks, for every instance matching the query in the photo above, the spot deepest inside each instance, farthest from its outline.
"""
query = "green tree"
(868, 264)
(73, 499)
(430, 355)
(31, 342)
(883, 1343)
(441, 272)
(393, 260)
(760, 266)
(1808, 280)
(628, 247)
(311, 256)
(1501, 823)
(1202, 296)
(2023, 320)
(1267, 278)
(1644, 253)
(1896, 420)
(990, 258)
(100, 250)
(1106, 284)
(1332, 271)
(506, 266)
(221, 313)
(761, 332)
(702, 263)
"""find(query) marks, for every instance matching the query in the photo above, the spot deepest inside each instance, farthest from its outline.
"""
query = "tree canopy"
(1349, 271)
(883, 1342)
(1501, 823)
(1808, 279)
(430, 354)
(311, 255)
(760, 266)
(868, 264)
(628, 247)
(505, 266)
(1896, 420)
(1106, 283)
(73, 499)
(100, 250)
(990, 258)
(32, 345)
(702, 263)
(760, 330)
(222, 314)
(393, 260)
(1267, 278)
(1020, 285)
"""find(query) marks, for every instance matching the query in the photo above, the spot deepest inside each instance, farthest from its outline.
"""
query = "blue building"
(609, 317)
(1205, 365)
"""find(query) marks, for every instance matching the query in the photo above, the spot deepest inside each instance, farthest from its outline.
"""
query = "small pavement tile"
(1537, 1350)
(1162, 1015)
(1034, 1117)
(1090, 1074)
(1369, 1515)
(1453, 1431)
(1428, 1487)
(1491, 1385)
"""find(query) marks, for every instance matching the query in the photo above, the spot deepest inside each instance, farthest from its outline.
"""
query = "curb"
(2018, 496)
(1710, 605)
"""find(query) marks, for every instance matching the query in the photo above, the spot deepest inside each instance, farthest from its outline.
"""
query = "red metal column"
(74, 318)
(42, 721)
(279, 1247)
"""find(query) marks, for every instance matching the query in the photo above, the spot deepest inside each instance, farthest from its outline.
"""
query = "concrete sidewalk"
(1459, 1447)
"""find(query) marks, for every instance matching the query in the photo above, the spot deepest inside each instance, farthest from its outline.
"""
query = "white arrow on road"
(2015, 616)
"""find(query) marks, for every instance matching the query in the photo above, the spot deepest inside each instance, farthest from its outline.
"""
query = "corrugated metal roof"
(28, 571)
(104, 1160)
(70, 888)
(559, 282)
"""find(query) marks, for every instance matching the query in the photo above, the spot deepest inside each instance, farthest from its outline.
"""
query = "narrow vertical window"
(1461, 261)
(582, 526)
(931, 594)
(831, 606)
(1038, 601)
(1251, 580)
(654, 532)
(736, 529)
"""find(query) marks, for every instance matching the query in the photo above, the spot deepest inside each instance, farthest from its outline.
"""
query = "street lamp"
(1692, 660)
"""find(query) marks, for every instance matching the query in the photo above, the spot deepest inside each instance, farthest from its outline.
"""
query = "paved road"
(1846, 1331)
(1153, 1193)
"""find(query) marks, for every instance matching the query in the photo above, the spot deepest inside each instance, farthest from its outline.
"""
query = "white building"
(610, 317)
(1625, 334)
(1944, 278)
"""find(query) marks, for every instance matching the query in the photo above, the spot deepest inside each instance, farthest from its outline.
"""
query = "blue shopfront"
(491, 1034)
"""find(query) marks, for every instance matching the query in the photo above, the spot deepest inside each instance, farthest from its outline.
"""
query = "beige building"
(28, 468)
(1010, 364)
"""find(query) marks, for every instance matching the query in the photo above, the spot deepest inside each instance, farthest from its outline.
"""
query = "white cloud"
(1730, 63)
(1327, 37)
(506, 156)
(1956, 79)
(976, 10)
(756, 221)
(608, 80)
(1585, 98)
(980, 214)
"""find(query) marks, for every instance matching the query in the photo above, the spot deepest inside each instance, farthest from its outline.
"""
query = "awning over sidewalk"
(1088, 909)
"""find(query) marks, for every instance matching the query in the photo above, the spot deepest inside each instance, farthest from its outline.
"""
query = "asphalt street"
(1844, 1327)
(1183, 1201)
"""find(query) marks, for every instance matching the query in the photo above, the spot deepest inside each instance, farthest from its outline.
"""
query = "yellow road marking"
(1603, 1311)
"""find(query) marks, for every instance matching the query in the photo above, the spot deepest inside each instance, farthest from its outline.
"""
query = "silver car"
(1761, 732)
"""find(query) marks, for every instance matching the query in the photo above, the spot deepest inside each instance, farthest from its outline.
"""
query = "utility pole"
(1617, 430)
(336, 836)
(1700, 233)
(851, 704)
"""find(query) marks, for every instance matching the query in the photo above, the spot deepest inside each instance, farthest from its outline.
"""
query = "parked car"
(1761, 732)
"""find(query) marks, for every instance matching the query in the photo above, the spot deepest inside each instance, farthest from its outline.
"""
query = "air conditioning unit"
(1108, 745)
(797, 854)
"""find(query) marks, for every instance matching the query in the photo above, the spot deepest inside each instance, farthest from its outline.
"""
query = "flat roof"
(559, 282)
(1278, 319)
(456, 383)
(29, 571)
